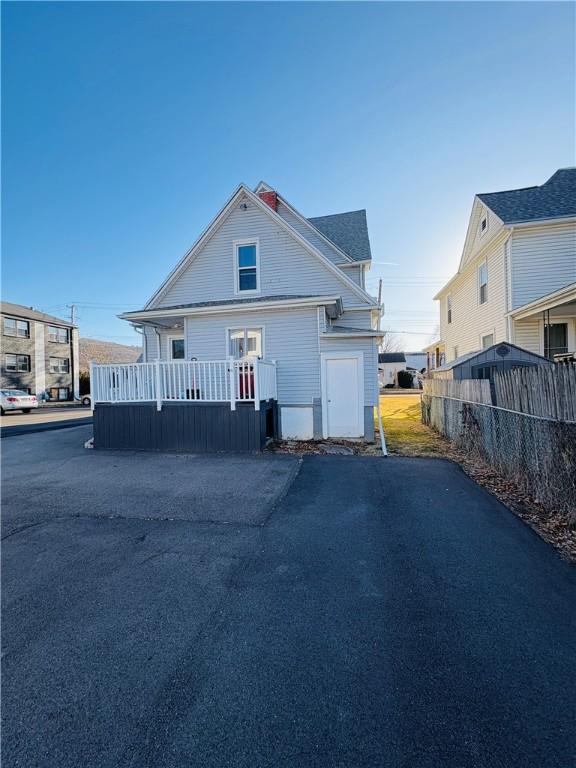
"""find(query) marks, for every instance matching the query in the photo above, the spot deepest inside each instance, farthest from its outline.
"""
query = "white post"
(158, 381)
(232, 370)
(256, 384)
(275, 379)
(93, 385)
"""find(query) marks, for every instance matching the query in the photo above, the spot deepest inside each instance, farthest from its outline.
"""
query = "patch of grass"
(405, 434)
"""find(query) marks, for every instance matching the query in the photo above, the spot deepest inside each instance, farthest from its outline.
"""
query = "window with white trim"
(244, 342)
(449, 308)
(487, 341)
(177, 348)
(13, 327)
(483, 283)
(59, 365)
(58, 334)
(246, 261)
(20, 363)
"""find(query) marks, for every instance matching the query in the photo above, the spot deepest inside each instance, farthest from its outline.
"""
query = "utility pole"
(379, 302)
(72, 361)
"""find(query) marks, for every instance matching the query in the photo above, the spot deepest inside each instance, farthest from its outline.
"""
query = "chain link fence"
(536, 453)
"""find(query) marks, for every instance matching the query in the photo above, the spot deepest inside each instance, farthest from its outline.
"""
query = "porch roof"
(339, 331)
(333, 304)
(565, 297)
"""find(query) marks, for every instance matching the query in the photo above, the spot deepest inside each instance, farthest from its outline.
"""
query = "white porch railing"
(202, 381)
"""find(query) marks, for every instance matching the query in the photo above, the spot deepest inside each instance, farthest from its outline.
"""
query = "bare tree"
(391, 342)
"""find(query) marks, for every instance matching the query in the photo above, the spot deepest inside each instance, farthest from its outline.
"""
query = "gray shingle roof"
(28, 313)
(226, 302)
(349, 231)
(391, 357)
(555, 198)
(336, 330)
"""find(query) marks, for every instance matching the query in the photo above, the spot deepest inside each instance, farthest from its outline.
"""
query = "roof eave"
(146, 314)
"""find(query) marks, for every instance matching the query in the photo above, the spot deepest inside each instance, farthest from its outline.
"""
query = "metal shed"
(483, 363)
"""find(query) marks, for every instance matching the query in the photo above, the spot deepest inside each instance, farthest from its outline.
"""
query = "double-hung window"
(246, 266)
(19, 363)
(449, 309)
(13, 327)
(59, 365)
(58, 334)
(245, 342)
(483, 283)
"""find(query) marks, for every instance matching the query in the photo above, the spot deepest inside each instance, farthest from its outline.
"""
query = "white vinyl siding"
(369, 347)
(471, 320)
(361, 318)
(527, 335)
(543, 261)
(286, 268)
(289, 336)
(475, 241)
(355, 274)
(152, 343)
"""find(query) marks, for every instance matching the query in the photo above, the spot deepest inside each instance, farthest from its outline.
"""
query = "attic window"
(246, 266)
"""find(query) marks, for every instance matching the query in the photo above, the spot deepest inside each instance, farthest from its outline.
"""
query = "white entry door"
(343, 394)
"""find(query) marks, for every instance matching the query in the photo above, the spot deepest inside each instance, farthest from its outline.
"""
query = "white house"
(264, 285)
(391, 363)
(517, 276)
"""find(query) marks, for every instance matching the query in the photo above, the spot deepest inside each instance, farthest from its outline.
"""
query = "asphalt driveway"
(257, 611)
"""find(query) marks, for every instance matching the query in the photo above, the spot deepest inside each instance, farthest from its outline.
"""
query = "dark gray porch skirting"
(190, 427)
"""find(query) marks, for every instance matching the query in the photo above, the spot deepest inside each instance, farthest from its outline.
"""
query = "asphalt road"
(345, 611)
(43, 419)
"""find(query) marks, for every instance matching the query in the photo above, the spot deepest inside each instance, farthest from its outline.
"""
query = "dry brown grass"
(405, 434)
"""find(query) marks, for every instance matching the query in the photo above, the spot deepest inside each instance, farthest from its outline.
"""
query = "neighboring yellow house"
(517, 276)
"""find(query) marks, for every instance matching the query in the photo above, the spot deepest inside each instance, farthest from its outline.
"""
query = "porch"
(547, 326)
(199, 406)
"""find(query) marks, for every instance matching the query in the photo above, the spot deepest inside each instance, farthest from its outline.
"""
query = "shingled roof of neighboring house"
(349, 231)
(29, 313)
(391, 357)
(555, 198)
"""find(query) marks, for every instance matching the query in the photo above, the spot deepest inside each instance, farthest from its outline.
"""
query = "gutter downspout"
(139, 330)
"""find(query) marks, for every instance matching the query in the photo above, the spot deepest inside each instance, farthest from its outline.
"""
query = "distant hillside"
(106, 352)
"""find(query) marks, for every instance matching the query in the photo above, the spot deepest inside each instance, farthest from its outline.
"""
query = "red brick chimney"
(269, 198)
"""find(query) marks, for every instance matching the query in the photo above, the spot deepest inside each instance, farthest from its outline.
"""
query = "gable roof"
(556, 198)
(391, 357)
(19, 310)
(242, 189)
(349, 231)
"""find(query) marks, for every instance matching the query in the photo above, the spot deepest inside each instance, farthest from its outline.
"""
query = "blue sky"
(127, 125)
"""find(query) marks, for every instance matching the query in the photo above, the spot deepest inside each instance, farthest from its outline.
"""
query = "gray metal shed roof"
(491, 353)
(349, 231)
(391, 357)
(554, 199)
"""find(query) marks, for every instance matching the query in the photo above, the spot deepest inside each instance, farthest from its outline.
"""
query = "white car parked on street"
(17, 400)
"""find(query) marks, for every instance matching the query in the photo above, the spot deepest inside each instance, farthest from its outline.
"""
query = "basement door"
(343, 394)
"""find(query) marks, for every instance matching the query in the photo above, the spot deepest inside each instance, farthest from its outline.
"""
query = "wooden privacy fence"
(544, 391)
(472, 390)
